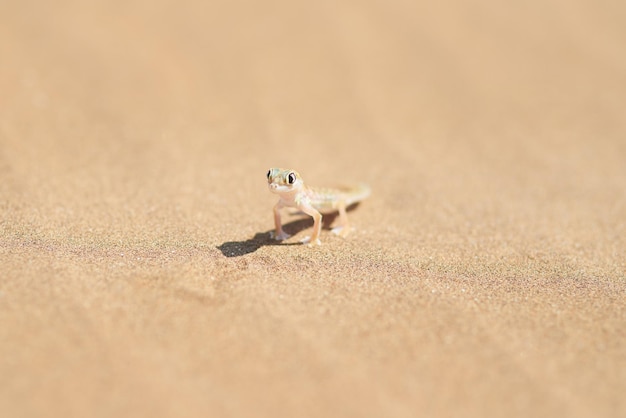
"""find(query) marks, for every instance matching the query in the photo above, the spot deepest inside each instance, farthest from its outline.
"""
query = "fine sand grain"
(486, 276)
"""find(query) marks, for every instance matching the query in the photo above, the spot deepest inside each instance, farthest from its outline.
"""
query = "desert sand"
(485, 276)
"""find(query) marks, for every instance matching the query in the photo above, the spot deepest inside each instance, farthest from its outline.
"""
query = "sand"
(485, 277)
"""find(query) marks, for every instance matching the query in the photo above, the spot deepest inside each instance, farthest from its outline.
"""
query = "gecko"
(313, 201)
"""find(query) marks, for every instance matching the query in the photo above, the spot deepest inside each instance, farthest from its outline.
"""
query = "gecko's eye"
(269, 172)
(291, 178)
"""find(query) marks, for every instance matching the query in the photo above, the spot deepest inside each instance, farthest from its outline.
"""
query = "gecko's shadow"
(260, 239)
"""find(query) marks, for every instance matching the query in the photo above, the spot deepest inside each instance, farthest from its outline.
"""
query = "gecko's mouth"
(278, 188)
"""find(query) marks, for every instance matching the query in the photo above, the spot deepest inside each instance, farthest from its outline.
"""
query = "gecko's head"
(281, 180)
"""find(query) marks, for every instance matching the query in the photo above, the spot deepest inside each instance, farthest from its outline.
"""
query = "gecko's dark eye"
(291, 178)
(269, 172)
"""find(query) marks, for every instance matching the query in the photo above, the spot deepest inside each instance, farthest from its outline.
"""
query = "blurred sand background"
(486, 274)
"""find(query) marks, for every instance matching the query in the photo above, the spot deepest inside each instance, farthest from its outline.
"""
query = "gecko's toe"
(279, 237)
(307, 240)
(342, 231)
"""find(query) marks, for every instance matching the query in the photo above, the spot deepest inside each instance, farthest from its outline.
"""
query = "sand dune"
(486, 275)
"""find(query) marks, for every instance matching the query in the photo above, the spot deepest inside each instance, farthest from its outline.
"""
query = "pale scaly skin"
(313, 201)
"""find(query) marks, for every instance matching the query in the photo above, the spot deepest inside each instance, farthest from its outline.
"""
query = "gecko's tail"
(358, 193)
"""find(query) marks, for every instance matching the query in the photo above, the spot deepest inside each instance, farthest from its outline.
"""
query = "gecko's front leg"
(343, 229)
(278, 234)
(317, 225)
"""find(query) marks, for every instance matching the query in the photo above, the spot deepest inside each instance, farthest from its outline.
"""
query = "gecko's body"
(311, 200)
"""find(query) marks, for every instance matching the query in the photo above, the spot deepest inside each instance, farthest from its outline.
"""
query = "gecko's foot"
(307, 240)
(279, 237)
(342, 231)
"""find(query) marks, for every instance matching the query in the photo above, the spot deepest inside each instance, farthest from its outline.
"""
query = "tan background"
(486, 275)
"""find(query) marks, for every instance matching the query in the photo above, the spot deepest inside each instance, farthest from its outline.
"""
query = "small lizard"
(311, 200)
